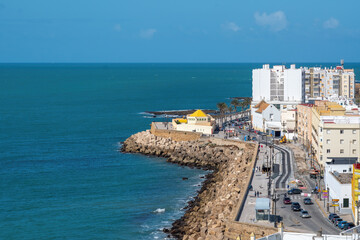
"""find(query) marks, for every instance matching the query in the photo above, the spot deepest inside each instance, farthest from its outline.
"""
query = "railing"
(355, 229)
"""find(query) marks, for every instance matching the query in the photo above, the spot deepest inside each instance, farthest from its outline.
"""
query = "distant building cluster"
(315, 107)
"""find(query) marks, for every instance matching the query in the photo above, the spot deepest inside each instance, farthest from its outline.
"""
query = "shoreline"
(210, 214)
(177, 112)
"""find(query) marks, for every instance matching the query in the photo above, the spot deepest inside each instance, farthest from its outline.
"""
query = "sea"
(62, 175)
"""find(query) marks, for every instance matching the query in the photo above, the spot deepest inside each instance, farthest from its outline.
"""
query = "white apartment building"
(284, 86)
(279, 85)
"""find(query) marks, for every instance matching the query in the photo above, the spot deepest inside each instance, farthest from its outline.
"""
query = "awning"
(262, 204)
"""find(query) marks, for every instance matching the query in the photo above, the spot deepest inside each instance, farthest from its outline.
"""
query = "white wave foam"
(159, 210)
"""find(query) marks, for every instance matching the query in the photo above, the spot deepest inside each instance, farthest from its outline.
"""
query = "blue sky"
(179, 31)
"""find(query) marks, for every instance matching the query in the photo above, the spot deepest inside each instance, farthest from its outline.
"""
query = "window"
(320, 129)
(328, 141)
(354, 151)
(327, 150)
(354, 131)
(354, 141)
(328, 131)
(344, 170)
(341, 150)
(341, 141)
(341, 131)
(345, 202)
(321, 157)
(350, 169)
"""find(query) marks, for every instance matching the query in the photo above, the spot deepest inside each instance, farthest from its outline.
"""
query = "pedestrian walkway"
(259, 189)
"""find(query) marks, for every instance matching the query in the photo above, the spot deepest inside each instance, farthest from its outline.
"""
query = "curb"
(322, 210)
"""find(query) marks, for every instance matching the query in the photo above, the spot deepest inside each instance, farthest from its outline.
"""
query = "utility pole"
(270, 169)
(275, 222)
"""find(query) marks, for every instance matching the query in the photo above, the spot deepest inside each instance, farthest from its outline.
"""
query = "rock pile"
(207, 215)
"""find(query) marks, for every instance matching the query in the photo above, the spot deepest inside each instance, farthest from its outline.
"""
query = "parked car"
(295, 206)
(294, 191)
(341, 224)
(331, 215)
(307, 201)
(334, 218)
(337, 220)
(304, 214)
(348, 226)
(287, 200)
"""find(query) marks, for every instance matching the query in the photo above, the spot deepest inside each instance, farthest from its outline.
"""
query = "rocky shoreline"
(179, 112)
(206, 216)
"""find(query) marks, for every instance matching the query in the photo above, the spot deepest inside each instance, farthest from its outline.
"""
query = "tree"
(246, 102)
(222, 108)
(235, 103)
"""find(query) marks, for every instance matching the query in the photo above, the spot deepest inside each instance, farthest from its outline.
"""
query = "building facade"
(338, 178)
(334, 134)
(195, 122)
(288, 122)
(303, 119)
(277, 85)
(355, 188)
(265, 117)
(322, 83)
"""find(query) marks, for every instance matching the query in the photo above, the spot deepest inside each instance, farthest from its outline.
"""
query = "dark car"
(331, 215)
(307, 201)
(334, 218)
(287, 200)
(348, 226)
(337, 220)
(294, 191)
(341, 224)
(295, 206)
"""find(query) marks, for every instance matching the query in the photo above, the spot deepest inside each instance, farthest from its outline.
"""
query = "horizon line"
(264, 62)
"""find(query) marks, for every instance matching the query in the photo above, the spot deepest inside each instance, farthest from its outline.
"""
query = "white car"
(304, 214)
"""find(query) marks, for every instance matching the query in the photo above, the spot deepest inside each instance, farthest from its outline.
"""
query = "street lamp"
(275, 198)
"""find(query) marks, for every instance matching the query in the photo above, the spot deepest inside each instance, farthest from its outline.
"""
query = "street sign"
(335, 200)
(335, 205)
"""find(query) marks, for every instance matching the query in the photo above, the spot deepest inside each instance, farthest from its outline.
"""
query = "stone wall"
(175, 135)
(211, 214)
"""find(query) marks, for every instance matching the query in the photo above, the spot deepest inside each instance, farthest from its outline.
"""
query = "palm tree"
(247, 102)
(235, 103)
(222, 108)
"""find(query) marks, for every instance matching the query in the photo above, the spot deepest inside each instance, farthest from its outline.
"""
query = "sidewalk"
(259, 184)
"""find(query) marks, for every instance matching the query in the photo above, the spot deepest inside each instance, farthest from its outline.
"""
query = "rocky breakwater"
(207, 215)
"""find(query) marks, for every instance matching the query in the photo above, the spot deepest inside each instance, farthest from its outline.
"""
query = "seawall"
(211, 214)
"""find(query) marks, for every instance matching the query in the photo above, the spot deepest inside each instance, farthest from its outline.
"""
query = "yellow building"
(334, 134)
(198, 121)
(355, 191)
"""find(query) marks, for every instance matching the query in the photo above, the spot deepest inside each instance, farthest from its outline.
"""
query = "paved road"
(283, 179)
(315, 223)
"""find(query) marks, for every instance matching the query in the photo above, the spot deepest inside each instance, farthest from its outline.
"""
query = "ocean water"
(61, 174)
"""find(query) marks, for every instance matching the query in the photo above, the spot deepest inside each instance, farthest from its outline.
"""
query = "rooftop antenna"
(342, 63)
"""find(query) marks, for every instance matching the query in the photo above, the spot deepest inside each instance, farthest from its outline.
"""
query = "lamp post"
(275, 198)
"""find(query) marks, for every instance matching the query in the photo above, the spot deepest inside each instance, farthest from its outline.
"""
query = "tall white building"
(279, 85)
